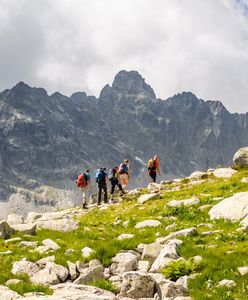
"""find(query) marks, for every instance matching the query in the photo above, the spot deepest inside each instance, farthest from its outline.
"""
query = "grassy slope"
(97, 230)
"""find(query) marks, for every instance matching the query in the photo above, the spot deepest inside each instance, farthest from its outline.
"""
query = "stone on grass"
(14, 219)
(148, 223)
(151, 251)
(50, 244)
(28, 228)
(24, 267)
(197, 175)
(166, 255)
(123, 262)
(125, 236)
(171, 226)
(81, 266)
(137, 285)
(43, 249)
(69, 251)
(233, 208)
(87, 252)
(13, 240)
(27, 244)
(244, 180)
(243, 270)
(241, 157)
(186, 202)
(5, 230)
(13, 281)
(144, 198)
(230, 284)
(154, 187)
(224, 172)
(205, 207)
(183, 232)
(6, 252)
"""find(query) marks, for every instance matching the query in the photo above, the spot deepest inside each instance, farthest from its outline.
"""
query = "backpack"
(123, 169)
(82, 180)
(111, 175)
(100, 175)
(150, 164)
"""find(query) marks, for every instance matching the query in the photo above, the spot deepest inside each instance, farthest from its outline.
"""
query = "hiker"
(153, 168)
(89, 184)
(82, 183)
(102, 180)
(124, 172)
(113, 178)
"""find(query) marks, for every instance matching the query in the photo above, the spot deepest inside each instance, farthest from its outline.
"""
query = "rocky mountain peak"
(132, 83)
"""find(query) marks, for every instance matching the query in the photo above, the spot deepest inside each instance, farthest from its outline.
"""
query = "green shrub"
(105, 285)
(179, 268)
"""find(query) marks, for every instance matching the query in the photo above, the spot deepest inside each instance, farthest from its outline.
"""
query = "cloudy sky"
(176, 45)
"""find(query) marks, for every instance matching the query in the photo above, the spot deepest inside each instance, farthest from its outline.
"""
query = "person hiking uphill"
(124, 172)
(82, 183)
(153, 168)
(113, 178)
(102, 180)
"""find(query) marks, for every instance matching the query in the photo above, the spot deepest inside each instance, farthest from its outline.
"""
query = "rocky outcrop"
(5, 230)
(233, 208)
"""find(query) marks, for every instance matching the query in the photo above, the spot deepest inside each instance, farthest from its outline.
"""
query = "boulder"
(166, 255)
(154, 187)
(28, 228)
(24, 267)
(45, 277)
(63, 225)
(73, 274)
(74, 291)
(147, 197)
(43, 261)
(14, 219)
(224, 172)
(183, 232)
(148, 223)
(187, 202)
(241, 157)
(59, 270)
(123, 262)
(5, 230)
(143, 266)
(233, 208)
(89, 275)
(137, 285)
(151, 251)
(8, 294)
(81, 266)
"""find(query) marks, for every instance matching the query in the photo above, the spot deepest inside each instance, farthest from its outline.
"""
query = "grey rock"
(151, 251)
(230, 284)
(5, 230)
(73, 274)
(187, 202)
(183, 232)
(43, 261)
(27, 244)
(241, 157)
(24, 267)
(224, 172)
(89, 275)
(123, 262)
(87, 252)
(13, 240)
(28, 228)
(137, 285)
(14, 219)
(50, 244)
(148, 223)
(147, 197)
(125, 236)
(13, 281)
(8, 294)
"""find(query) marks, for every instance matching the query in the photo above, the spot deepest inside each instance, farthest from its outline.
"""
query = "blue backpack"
(100, 175)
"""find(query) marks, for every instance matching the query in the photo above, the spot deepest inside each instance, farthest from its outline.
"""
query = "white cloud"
(70, 45)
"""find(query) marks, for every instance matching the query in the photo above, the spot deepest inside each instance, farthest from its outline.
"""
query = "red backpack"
(82, 180)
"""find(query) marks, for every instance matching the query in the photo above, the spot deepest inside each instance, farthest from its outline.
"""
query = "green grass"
(98, 230)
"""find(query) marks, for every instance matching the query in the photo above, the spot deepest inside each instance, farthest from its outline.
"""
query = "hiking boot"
(85, 206)
(98, 203)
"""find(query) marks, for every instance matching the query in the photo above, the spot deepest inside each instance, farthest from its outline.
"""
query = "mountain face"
(45, 141)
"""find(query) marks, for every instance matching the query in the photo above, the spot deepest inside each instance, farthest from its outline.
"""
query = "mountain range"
(47, 140)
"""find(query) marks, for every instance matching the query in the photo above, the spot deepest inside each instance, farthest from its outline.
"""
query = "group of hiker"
(118, 176)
